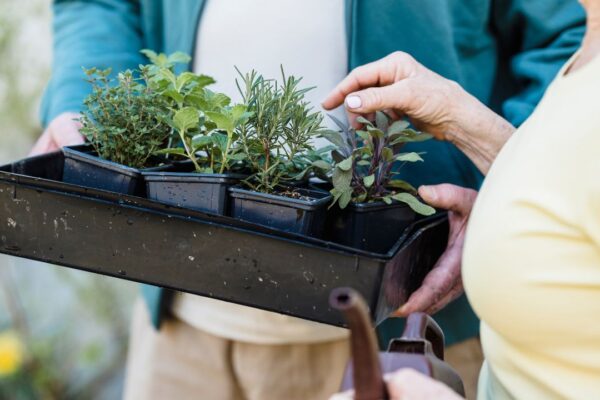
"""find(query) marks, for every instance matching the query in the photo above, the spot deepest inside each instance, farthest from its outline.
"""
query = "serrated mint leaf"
(186, 119)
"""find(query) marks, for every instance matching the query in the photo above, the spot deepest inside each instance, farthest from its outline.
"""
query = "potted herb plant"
(125, 121)
(275, 143)
(204, 133)
(374, 205)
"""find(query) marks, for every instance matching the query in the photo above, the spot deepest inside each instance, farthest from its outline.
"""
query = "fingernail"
(427, 192)
(353, 102)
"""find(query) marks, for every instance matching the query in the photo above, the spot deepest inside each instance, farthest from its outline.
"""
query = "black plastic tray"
(209, 255)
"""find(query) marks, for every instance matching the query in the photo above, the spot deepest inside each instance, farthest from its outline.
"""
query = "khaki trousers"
(182, 362)
(466, 358)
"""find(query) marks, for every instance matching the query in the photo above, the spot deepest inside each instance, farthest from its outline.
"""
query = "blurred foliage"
(63, 333)
(67, 345)
(24, 68)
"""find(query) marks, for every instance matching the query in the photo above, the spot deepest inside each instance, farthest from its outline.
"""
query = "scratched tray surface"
(208, 255)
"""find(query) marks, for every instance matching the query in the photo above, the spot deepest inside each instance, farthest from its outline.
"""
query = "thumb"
(373, 99)
(449, 197)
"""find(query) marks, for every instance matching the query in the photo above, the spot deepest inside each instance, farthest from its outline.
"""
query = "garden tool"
(421, 347)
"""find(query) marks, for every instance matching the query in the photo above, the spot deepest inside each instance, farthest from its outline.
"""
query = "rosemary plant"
(276, 138)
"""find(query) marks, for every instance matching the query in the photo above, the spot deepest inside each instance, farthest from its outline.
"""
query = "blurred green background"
(63, 333)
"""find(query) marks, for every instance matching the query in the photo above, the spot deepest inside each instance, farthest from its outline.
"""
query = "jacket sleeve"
(89, 33)
(538, 38)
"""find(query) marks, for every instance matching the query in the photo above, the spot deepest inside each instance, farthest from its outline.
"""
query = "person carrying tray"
(503, 52)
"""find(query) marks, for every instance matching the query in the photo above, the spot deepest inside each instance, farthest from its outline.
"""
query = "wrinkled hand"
(444, 283)
(400, 84)
(408, 384)
(62, 131)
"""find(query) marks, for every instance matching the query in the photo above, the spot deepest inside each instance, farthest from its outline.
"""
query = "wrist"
(477, 131)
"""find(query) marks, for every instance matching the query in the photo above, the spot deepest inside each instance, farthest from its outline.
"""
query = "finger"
(400, 382)
(449, 197)
(452, 295)
(42, 145)
(397, 96)
(395, 67)
(68, 135)
(436, 285)
(348, 395)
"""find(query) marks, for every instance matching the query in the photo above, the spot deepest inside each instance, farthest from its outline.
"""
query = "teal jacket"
(505, 52)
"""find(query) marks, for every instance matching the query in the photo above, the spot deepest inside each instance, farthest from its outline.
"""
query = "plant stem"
(226, 153)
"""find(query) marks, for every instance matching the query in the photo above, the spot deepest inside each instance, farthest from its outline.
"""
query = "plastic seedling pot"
(373, 227)
(181, 187)
(305, 216)
(83, 168)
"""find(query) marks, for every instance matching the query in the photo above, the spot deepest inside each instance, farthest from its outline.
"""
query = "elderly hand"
(62, 131)
(408, 384)
(402, 86)
(444, 283)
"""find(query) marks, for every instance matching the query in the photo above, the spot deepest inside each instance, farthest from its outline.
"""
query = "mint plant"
(125, 120)
(204, 122)
(275, 138)
(366, 163)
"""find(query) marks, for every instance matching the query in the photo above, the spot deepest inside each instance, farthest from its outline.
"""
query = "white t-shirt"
(308, 38)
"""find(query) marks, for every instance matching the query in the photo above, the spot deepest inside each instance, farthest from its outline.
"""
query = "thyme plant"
(125, 120)
(367, 161)
(276, 138)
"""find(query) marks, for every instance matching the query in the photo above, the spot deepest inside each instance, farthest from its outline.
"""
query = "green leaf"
(222, 120)
(167, 75)
(182, 79)
(341, 179)
(387, 154)
(345, 198)
(398, 127)
(364, 135)
(346, 165)
(387, 200)
(369, 180)
(364, 163)
(364, 121)
(408, 157)
(186, 119)
(335, 138)
(199, 141)
(414, 203)
(382, 121)
(174, 151)
(174, 94)
(411, 136)
(376, 133)
(238, 111)
(152, 56)
(322, 164)
(402, 185)
(220, 140)
(179, 58)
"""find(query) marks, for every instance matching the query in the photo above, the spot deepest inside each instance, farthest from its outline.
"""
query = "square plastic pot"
(202, 192)
(83, 168)
(302, 216)
(373, 227)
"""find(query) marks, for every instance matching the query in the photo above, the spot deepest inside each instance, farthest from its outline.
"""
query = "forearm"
(91, 33)
(478, 132)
